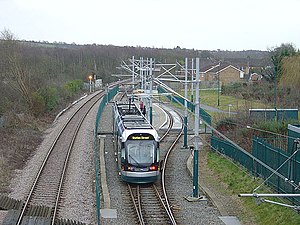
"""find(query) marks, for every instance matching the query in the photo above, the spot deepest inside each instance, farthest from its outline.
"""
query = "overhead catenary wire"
(273, 171)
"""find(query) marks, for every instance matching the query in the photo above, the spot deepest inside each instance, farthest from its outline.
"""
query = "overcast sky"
(198, 24)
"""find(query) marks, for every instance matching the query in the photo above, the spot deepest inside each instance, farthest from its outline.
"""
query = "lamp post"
(229, 106)
(90, 79)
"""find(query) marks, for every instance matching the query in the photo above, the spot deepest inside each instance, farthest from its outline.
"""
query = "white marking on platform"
(177, 121)
(108, 213)
(230, 220)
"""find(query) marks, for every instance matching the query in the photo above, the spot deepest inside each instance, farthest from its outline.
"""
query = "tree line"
(38, 78)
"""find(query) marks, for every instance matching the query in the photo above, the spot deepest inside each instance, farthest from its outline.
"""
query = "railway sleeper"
(39, 210)
(67, 222)
(7, 203)
(12, 216)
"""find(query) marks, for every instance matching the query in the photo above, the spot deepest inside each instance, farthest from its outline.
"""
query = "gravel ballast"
(78, 193)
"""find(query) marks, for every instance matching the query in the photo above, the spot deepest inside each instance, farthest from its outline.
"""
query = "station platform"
(161, 120)
(159, 117)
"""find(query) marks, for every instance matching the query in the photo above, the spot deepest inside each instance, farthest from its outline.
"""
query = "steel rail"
(101, 94)
(67, 158)
(138, 193)
(138, 208)
(164, 169)
(171, 121)
(162, 202)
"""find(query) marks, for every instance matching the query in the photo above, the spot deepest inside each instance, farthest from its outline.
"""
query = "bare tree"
(18, 75)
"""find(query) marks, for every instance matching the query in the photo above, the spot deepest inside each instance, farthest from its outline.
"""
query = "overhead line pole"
(141, 73)
(196, 141)
(132, 72)
(185, 106)
(151, 83)
(192, 94)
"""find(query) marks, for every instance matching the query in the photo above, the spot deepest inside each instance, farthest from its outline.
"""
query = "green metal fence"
(109, 95)
(264, 154)
(203, 114)
(276, 158)
(226, 148)
(270, 114)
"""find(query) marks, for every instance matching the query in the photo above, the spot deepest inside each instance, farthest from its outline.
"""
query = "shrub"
(72, 87)
(38, 104)
(278, 127)
(226, 124)
(51, 98)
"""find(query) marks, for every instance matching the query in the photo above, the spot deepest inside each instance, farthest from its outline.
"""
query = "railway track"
(43, 200)
(146, 199)
(150, 202)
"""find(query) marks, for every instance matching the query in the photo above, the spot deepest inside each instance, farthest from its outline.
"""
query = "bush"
(38, 104)
(231, 88)
(278, 127)
(51, 98)
(226, 124)
(72, 87)
(47, 99)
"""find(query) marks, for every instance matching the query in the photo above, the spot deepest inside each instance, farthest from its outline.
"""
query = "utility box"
(98, 83)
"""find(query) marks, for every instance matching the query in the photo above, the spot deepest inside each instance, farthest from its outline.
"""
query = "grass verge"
(238, 181)
(210, 98)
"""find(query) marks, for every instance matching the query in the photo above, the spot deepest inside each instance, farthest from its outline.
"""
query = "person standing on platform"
(141, 105)
(144, 110)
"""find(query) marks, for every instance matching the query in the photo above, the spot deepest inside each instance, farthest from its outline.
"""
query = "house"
(225, 73)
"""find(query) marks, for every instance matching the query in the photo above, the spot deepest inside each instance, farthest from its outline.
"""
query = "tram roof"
(135, 122)
(132, 121)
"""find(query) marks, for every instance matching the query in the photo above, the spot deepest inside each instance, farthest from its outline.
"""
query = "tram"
(136, 144)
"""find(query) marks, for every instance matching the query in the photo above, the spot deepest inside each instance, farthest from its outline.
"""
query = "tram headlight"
(130, 168)
(153, 168)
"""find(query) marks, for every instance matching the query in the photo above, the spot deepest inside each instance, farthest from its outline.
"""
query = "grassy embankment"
(239, 181)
